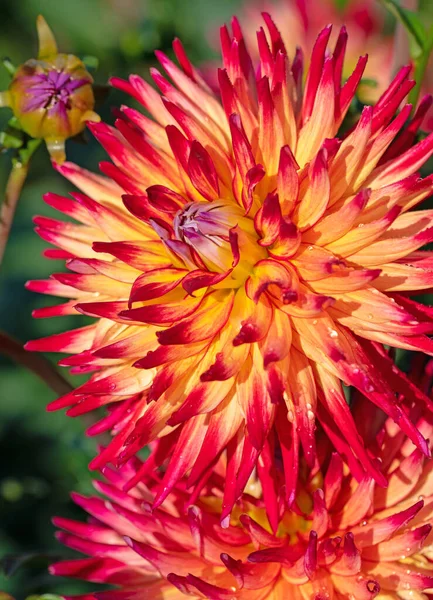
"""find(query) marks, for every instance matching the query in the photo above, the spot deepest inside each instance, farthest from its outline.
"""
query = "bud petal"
(47, 41)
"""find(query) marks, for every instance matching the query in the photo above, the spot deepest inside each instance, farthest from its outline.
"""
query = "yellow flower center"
(222, 236)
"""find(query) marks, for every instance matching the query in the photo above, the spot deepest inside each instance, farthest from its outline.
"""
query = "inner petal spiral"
(217, 231)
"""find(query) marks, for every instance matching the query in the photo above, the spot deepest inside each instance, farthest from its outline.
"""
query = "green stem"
(46, 371)
(420, 69)
(36, 363)
(14, 186)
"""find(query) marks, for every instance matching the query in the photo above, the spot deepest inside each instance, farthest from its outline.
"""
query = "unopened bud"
(51, 96)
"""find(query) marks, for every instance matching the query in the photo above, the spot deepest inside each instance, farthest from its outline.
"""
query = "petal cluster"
(300, 20)
(244, 260)
(342, 539)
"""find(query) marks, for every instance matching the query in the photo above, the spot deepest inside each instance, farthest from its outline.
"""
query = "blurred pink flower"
(343, 539)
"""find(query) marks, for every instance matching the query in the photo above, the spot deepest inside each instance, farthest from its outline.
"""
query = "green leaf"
(368, 81)
(413, 25)
(91, 62)
(44, 597)
(29, 149)
(341, 4)
(9, 66)
(15, 123)
(10, 140)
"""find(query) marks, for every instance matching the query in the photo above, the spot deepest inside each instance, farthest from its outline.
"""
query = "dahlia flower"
(51, 96)
(343, 539)
(243, 262)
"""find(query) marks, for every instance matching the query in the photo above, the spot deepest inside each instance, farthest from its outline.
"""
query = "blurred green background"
(43, 456)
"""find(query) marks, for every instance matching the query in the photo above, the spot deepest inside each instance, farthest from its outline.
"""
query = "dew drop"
(315, 322)
(310, 415)
(332, 333)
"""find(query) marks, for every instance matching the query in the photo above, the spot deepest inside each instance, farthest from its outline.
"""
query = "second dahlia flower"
(365, 20)
(343, 540)
(300, 20)
(243, 262)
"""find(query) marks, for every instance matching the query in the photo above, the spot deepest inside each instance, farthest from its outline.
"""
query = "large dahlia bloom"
(343, 539)
(243, 262)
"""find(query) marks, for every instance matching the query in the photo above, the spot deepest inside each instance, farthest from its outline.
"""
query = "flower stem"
(35, 363)
(14, 186)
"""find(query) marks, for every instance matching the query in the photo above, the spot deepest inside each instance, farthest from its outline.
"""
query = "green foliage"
(341, 4)
(9, 66)
(420, 42)
(413, 25)
(44, 597)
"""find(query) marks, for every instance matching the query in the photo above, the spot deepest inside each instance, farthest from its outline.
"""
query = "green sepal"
(9, 140)
(28, 150)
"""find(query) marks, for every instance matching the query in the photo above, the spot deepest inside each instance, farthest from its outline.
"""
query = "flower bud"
(51, 96)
